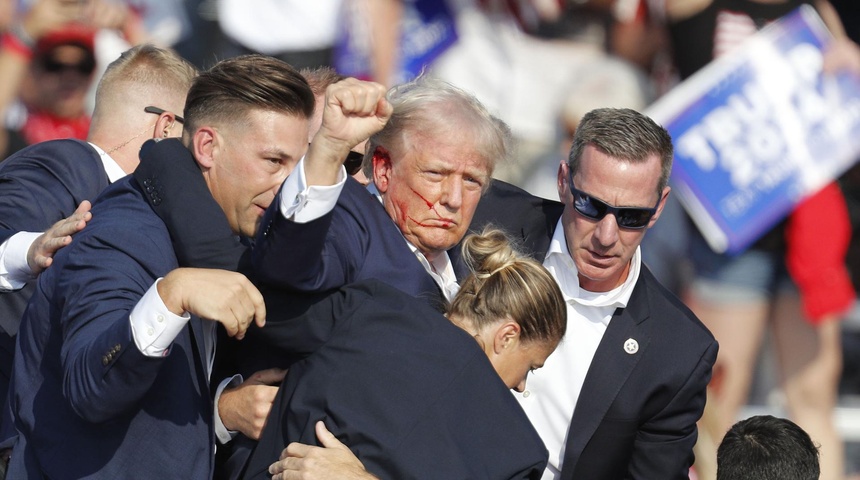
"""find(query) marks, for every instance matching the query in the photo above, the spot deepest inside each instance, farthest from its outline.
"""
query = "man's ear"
(381, 168)
(205, 144)
(562, 182)
(166, 126)
(660, 206)
(507, 335)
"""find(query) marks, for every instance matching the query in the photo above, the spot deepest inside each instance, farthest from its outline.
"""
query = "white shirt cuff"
(15, 272)
(303, 204)
(221, 433)
(153, 326)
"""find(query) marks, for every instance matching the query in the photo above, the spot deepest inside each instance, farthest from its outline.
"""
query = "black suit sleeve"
(176, 190)
(5, 233)
(529, 221)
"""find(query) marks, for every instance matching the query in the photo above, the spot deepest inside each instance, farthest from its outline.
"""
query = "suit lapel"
(609, 370)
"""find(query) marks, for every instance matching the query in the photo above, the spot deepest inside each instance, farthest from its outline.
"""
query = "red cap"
(70, 34)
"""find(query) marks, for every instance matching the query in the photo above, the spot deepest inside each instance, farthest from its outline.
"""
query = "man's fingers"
(259, 305)
(44, 262)
(270, 376)
(84, 207)
(326, 438)
(296, 450)
(384, 109)
(231, 325)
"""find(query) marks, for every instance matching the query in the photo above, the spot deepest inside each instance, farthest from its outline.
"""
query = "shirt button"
(150, 331)
(526, 394)
(160, 318)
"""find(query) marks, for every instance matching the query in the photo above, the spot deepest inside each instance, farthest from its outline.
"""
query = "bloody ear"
(381, 168)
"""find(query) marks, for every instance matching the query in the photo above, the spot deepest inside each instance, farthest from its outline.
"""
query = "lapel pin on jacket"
(631, 346)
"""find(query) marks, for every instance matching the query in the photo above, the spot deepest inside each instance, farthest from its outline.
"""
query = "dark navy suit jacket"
(39, 186)
(410, 393)
(355, 241)
(89, 404)
(300, 263)
(636, 414)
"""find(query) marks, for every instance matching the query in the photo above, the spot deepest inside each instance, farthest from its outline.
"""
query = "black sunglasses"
(625, 217)
(84, 67)
(353, 162)
(159, 111)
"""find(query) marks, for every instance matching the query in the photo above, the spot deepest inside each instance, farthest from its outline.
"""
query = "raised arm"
(294, 248)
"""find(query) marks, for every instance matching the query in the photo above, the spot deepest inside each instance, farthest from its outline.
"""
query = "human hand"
(217, 295)
(306, 462)
(42, 250)
(842, 55)
(109, 15)
(245, 407)
(47, 15)
(353, 111)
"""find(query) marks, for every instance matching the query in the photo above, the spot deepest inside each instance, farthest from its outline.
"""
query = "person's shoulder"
(121, 206)
(123, 227)
(499, 189)
(60, 148)
(503, 200)
(356, 197)
(674, 315)
(62, 154)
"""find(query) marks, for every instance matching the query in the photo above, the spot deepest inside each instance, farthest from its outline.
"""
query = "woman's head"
(511, 304)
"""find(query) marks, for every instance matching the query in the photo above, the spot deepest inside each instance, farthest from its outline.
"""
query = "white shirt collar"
(113, 170)
(563, 268)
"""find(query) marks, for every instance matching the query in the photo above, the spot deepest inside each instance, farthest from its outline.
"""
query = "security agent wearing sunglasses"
(621, 395)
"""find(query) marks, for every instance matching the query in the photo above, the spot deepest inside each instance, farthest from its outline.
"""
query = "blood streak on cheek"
(401, 211)
(419, 223)
(430, 206)
(405, 216)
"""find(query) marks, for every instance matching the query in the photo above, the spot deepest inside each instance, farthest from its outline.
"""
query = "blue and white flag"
(758, 130)
(427, 29)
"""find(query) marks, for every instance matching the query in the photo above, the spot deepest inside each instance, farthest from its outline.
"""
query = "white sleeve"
(303, 204)
(15, 272)
(153, 326)
(221, 433)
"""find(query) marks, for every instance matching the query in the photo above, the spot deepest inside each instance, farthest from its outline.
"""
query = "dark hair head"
(232, 88)
(320, 78)
(767, 448)
(505, 284)
(623, 134)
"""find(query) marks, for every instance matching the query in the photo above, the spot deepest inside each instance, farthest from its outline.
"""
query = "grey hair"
(429, 106)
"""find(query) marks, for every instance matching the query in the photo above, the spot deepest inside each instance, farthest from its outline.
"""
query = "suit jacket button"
(117, 347)
(105, 360)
